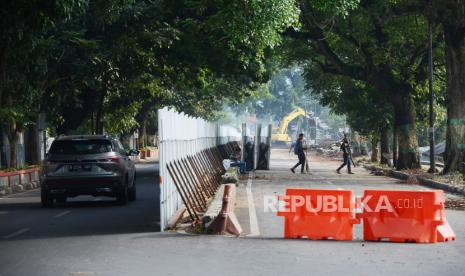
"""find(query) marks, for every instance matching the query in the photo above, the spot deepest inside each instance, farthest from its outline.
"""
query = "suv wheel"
(46, 199)
(123, 196)
(61, 199)
(132, 191)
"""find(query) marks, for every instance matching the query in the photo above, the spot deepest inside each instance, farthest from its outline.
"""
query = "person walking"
(299, 151)
(345, 147)
(292, 147)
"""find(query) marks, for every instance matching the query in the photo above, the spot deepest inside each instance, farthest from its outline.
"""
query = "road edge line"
(254, 229)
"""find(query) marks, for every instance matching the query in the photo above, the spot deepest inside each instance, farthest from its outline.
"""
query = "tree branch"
(300, 35)
(316, 34)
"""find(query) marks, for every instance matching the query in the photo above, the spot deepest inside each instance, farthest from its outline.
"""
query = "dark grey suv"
(88, 165)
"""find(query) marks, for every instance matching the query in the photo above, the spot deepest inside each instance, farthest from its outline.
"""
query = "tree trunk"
(92, 123)
(75, 115)
(394, 146)
(99, 124)
(374, 148)
(356, 144)
(32, 143)
(385, 152)
(13, 140)
(400, 93)
(363, 145)
(126, 140)
(3, 68)
(454, 156)
(3, 158)
(143, 133)
(404, 121)
(99, 115)
(146, 138)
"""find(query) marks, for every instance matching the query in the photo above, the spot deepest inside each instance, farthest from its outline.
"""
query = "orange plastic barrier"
(405, 216)
(316, 217)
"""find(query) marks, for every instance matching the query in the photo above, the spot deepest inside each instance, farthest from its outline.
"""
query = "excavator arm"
(281, 133)
(284, 124)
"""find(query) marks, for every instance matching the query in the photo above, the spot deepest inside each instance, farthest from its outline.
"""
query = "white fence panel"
(180, 136)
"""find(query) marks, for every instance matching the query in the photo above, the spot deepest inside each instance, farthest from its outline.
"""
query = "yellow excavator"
(281, 136)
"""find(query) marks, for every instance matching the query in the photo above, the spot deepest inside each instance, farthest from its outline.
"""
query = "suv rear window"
(80, 146)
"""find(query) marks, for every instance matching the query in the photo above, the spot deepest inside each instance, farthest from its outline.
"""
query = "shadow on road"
(83, 215)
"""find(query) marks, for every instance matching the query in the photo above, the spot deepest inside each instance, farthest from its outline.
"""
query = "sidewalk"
(154, 158)
(251, 193)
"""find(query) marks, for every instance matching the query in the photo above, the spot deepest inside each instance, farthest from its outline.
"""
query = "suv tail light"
(51, 166)
(110, 159)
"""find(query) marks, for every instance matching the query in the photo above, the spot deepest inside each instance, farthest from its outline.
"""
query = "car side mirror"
(133, 152)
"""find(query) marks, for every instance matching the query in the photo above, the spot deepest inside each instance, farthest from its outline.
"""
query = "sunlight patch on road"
(62, 214)
(82, 273)
(254, 230)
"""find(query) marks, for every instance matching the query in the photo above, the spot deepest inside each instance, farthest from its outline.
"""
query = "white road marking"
(17, 233)
(254, 231)
(3, 212)
(82, 273)
(62, 214)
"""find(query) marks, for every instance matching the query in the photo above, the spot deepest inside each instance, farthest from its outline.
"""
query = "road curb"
(19, 181)
(421, 180)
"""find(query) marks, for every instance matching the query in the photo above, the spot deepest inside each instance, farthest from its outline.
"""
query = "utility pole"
(307, 132)
(432, 161)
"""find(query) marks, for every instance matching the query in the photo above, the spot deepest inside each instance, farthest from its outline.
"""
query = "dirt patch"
(455, 179)
(455, 204)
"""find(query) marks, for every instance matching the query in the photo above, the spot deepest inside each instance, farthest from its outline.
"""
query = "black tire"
(61, 199)
(133, 191)
(46, 200)
(123, 196)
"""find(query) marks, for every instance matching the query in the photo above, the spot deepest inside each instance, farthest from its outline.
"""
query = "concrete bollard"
(18, 188)
(220, 217)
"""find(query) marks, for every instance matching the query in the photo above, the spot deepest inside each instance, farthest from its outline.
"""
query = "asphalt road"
(24, 222)
(269, 184)
(355, 257)
(100, 238)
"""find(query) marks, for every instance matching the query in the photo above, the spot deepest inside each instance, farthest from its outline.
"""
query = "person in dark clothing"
(345, 147)
(292, 147)
(236, 160)
(248, 156)
(299, 151)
